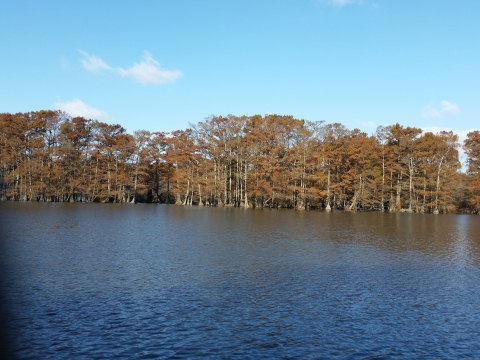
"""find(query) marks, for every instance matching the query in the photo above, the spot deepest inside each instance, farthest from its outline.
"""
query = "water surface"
(159, 281)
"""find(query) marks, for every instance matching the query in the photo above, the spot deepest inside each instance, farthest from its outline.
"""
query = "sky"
(162, 65)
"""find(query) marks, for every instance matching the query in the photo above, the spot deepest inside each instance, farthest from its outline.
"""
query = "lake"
(163, 281)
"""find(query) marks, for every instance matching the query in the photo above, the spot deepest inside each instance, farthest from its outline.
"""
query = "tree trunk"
(328, 191)
(438, 186)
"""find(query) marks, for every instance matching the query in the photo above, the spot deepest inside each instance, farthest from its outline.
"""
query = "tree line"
(271, 161)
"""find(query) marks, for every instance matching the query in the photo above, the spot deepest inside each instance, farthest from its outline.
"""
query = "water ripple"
(100, 281)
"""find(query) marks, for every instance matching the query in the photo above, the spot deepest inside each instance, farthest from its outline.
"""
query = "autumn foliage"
(245, 161)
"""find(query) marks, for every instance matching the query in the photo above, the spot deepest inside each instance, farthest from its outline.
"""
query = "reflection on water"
(143, 281)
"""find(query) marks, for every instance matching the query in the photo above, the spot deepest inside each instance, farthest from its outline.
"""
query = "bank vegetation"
(269, 161)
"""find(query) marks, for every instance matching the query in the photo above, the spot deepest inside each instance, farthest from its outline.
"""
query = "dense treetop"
(246, 161)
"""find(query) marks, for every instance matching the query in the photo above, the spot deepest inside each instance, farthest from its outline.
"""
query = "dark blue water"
(158, 281)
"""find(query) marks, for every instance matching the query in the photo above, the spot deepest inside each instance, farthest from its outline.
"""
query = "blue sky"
(160, 65)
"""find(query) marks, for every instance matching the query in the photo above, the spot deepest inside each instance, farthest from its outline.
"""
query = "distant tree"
(472, 149)
(401, 145)
(244, 161)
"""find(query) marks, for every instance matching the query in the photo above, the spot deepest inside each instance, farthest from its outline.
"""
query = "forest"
(271, 161)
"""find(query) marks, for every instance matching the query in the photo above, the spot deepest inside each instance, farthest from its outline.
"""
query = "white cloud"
(150, 72)
(77, 107)
(93, 63)
(342, 3)
(448, 108)
(370, 124)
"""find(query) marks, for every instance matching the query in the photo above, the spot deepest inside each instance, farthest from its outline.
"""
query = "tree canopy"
(274, 161)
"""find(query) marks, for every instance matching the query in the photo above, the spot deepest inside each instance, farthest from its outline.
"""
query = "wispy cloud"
(447, 108)
(369, 124)
(148, 71)
(77, 107)
(342, 3)
(93, 63)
